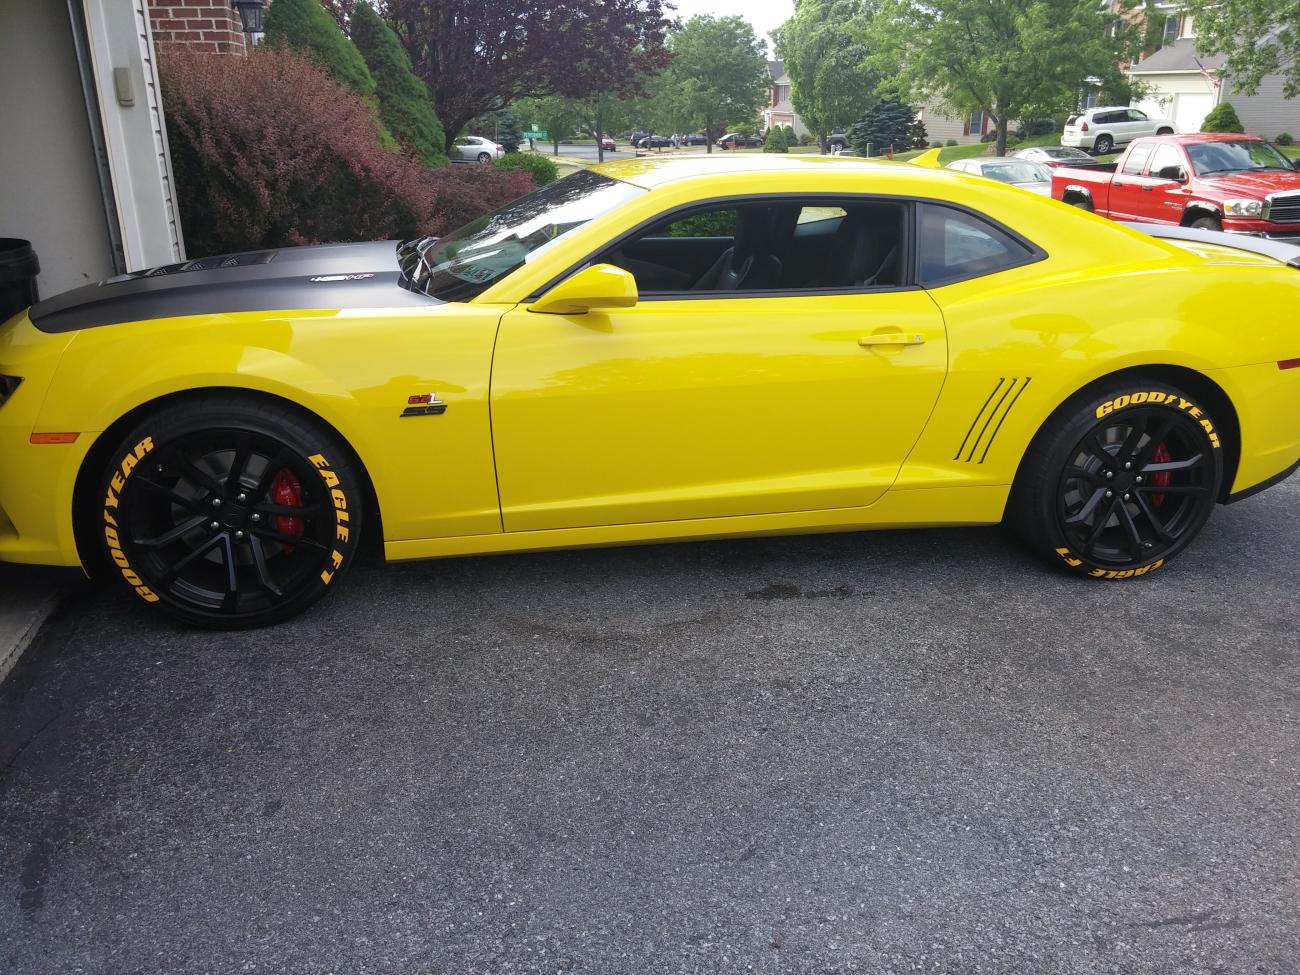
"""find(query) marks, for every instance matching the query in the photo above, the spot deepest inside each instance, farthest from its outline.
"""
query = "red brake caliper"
(287, 491)
(1161, 478)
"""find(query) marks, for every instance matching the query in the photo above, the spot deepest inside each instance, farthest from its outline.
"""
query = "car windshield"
(1061, 152)
(1217, 158)
(467, 261)
(1016, 172)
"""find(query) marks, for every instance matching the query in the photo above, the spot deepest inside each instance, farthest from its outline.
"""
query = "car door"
(1164, 197)
(778, 395)
(1127, 186)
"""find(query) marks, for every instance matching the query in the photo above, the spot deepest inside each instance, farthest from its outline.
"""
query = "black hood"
(326, 277)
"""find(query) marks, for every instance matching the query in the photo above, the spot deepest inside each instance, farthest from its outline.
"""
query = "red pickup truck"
(1218, 181)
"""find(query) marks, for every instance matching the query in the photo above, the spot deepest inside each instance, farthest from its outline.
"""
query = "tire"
(1164, 130)
(1078, 506)
(1103, 145)
(483, 157)
(229, 514)
(1207, 223)
(1083, 203)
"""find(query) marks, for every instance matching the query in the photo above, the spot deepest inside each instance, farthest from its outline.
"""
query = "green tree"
(1222, 118)
(1260, 37)
(831, 80)
(557, 116)
(891, 124)
(508, 130)
(1011, 58)
(305, 26)
(717, 78)
(405, 105)
(775, 140)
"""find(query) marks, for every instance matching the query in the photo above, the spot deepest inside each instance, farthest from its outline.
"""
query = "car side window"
(1165, 157)
(786, 246)
(1135, 116)
(954, 245)
(1137, 159)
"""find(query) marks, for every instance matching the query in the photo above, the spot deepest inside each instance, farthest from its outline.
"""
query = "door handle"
(892, 338)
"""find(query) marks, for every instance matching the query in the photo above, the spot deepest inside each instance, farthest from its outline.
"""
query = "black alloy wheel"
(231, 516)
(1116, 485)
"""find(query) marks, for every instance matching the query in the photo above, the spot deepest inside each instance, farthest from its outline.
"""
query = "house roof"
(775, 69)
(1177, 56)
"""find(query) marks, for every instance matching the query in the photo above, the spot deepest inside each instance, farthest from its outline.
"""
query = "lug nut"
(1138, 479)
(1110, 494)
(1126, 497)
(1128, 465)
(216, 502)
(215, 525)
(242, 498)
(1109, 475)
(256, 518)
(239, 534)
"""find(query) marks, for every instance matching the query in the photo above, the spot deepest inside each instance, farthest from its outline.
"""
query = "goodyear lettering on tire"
(341, 514)
(1159, 398)
(112, 499)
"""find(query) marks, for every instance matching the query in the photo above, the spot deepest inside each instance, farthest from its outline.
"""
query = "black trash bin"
(18, 270)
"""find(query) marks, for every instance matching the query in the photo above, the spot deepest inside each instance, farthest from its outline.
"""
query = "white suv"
(1101, 130)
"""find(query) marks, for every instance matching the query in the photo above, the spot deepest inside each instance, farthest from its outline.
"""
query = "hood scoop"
(201, 264)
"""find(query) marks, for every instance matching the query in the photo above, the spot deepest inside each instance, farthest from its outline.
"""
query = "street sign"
(536, 135)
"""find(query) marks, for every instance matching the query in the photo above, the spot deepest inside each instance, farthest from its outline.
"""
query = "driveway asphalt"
(893, 752)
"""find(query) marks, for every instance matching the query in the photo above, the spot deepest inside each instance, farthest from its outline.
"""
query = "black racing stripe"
(322, 278)
(1002, 399)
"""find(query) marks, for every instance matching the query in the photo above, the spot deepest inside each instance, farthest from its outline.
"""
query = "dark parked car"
(654, 142)
(694, 139)
(734, 140)
(838, 139)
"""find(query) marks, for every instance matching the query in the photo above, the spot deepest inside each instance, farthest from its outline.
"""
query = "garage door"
(1190, 111)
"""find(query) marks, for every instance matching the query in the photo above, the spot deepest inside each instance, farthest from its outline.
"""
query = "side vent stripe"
(1005, 414)
(997, 407)
(1001, 380)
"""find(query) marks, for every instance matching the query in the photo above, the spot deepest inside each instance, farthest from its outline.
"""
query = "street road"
(588, 151)
(894, 752)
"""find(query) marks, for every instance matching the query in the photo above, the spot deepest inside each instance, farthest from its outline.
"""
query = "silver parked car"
(1103, 130)
(1006, 169)
(475, 148)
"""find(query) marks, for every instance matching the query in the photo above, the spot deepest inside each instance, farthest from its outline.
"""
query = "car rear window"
(1137, 159)
(955, 245)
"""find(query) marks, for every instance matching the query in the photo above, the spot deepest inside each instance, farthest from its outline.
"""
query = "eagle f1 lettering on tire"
(341, 515)
(1126, 573)
(112, 498)
(1069, 557)
(1160, 398)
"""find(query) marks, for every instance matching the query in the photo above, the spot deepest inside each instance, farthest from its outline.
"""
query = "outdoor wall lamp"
(250, 15)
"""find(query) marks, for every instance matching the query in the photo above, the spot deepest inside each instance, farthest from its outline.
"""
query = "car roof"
(649, 173)
(1202, 137)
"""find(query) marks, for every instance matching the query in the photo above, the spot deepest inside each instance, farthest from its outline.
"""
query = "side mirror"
(598, 286)
(1174, 173)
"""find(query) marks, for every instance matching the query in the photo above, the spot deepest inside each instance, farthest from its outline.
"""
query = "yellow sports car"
(650, 351)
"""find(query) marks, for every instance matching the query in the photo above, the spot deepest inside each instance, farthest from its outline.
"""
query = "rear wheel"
(229, 514)
(1119, 481)
(1165, 130)
(1103, 145)
(484, 157)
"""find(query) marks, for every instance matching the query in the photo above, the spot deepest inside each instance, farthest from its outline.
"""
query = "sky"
(763, 14)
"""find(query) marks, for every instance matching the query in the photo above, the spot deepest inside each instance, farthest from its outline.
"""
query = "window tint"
(1135, 116)
(784, 246)
(1137, 159)
(954, 245)
(1165, 157)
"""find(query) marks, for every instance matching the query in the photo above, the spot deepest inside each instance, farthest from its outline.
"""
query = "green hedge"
(1222, 118)
(541, 169)
(305, 26)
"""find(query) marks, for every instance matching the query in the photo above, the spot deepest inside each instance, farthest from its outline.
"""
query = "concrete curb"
(22, 611)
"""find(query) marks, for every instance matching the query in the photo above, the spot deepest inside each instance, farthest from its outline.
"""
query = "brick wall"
(211, 26)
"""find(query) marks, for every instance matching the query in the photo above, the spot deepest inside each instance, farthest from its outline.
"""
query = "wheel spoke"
(1159, 431)
(283, 539)
(198, 477)
(1089, 506)
(1130, 529)
(1098, 527)
(1190, 489)
(175, 569)
(1174, 465)
(1135, 432)
(1153, 519)
(273, 467)
(162, 491)
(243, 450)
(263, 573)
(288, 510)
(232, 576)
(1095, 447)
(167, 537)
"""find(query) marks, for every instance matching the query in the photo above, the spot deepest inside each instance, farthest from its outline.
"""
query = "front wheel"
(1207, 223)
(229, 514)
(1119, 481)
(1103, 145)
